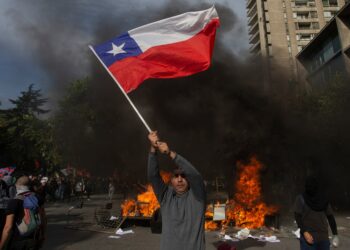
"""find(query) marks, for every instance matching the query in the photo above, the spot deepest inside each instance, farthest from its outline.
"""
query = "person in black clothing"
(7, 192)
(312, 211)
(10, 238)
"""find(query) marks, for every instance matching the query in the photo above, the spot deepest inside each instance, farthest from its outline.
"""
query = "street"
(78, 230)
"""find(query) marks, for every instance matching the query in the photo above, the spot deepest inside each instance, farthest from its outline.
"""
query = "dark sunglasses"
(177, 175)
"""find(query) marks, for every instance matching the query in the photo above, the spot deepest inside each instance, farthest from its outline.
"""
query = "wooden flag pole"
(121, 88)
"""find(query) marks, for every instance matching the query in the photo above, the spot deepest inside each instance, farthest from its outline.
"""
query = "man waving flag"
(174, 47)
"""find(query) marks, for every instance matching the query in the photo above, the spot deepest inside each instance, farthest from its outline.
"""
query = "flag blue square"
(117, 49)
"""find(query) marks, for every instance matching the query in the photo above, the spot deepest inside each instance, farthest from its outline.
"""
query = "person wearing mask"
(15, 235)
(313, 214)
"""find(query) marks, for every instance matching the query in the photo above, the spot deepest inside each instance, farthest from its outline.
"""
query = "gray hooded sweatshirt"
(182, 215)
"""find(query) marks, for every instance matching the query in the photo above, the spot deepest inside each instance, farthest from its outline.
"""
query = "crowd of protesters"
(23, 226)
(63, 188)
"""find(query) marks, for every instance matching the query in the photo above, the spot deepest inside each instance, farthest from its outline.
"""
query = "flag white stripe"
(171, 30)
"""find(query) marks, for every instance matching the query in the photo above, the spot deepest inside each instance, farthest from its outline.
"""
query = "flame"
(209, 211)
(247, 209)
(211, 225)
(128, 208)
(146, 202)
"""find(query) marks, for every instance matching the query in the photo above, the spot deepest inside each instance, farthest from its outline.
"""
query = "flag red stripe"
(168, 61)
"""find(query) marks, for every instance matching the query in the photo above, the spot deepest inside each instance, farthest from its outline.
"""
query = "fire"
(211, 225)
(128, 208)
(247, 209)
(209, 211)
(146, 203)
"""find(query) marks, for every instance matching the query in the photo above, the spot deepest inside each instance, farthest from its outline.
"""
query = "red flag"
(174, 47)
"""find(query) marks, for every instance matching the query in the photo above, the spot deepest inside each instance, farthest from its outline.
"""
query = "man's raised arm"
(159, 187)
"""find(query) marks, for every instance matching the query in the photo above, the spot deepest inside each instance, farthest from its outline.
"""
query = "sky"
(45, 42)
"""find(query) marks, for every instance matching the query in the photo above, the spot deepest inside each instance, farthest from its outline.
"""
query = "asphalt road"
(78, 230)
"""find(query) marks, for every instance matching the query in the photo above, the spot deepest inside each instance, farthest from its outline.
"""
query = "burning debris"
(247, 209)
(146, 203)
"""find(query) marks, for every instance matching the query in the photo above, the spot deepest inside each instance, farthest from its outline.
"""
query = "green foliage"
(29, 103)
(25, 137)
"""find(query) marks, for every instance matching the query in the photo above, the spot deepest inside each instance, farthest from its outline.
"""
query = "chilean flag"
(174, 47)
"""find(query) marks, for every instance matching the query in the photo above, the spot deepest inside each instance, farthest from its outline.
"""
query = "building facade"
(327, 56)
(280, 29)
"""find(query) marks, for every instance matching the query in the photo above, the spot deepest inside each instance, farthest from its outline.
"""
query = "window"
(303, 3)
(300, 3)
(307, 25)
(327, 14)
(330, 3)
(313, 14)
(325, 51)
(311, 3)
(315, 26)
(301, 15)
(305, 37)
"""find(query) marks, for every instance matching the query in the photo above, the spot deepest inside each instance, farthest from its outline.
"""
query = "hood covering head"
(314, 197)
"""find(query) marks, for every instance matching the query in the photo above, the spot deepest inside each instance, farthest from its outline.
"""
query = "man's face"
(179, 182)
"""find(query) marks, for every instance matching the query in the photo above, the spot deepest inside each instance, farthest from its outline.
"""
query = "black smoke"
(213, 118)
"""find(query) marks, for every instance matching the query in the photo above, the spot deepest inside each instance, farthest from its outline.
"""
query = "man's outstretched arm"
(159, 187)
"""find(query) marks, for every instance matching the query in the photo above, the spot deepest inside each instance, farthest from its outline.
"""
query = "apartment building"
(280, 29)
(327, 56)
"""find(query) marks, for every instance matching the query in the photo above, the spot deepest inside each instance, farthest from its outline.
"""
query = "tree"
(26, 138)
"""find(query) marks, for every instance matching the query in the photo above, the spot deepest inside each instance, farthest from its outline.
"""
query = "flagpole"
(123, 91)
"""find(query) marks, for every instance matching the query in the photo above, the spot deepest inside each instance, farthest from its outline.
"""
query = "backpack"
(4, 194)
(31, 220)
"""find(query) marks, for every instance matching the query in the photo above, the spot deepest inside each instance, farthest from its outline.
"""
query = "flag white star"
(117, 49)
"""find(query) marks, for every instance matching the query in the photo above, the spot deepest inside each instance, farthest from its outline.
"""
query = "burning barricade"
(245, 210)
(146, 203)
